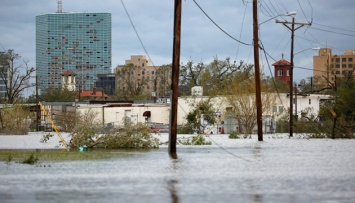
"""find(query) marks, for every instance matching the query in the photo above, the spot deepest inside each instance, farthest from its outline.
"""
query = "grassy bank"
(58, 155)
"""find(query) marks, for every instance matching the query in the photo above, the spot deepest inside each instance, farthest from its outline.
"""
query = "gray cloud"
(201, 39)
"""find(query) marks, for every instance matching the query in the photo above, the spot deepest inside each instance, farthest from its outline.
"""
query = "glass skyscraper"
(80, 42)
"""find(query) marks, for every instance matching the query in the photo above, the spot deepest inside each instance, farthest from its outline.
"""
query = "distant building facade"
(4, 71)
(80, 42)
(155, 79)
(68, 80)
(107, 83)
(329, 66)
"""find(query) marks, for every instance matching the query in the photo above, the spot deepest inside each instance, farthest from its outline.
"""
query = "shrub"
(233, 135)
(30, 160)
(14, 120)
(196, 140)
(131, 136)
(185, 129)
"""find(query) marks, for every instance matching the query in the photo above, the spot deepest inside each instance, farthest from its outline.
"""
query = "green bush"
(233, 135)
(131, 136)
(30, 160)
(196, 140)
(185, 129)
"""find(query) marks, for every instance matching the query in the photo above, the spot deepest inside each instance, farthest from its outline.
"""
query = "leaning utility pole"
(257, 71)
(293, 29)
(175, 77)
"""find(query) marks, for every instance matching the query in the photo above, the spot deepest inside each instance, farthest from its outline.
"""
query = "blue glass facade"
(80, 42)
(106, 82)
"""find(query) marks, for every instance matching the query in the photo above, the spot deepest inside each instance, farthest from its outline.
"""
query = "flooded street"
(276, 170)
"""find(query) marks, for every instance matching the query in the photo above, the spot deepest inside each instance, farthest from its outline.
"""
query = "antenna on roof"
(59, 7)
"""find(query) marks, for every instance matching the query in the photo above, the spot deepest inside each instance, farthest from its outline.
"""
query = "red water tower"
(282, 70)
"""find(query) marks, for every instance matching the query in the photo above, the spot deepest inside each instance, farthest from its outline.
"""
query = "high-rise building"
(326, 65)
(4, 71)
(79, 42)
(106, 83)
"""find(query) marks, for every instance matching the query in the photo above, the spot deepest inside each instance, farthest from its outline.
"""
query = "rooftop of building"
(281, 62)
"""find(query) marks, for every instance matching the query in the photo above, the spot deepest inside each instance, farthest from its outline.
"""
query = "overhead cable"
(135, 30)
(339, 33)
(219, 26)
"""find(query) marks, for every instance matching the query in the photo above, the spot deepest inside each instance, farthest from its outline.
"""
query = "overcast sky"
(333, 26)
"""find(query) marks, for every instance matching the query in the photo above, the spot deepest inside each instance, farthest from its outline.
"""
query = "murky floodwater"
(282, 170)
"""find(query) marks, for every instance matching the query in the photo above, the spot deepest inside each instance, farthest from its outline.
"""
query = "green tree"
(58, 95)
(213, 77)
(163, 80)
(130, 85)
(202, 108)
(342, 104)
(14, 119)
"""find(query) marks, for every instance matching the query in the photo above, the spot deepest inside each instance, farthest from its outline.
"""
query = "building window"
(337, 60)
(274, 109)
(310, 101)
(343, 59)
(279, 73)
(337, 72)
(350, 65)
(288, 73)
(343, 65)
(281, 109)
(337, 66)
(350, 59)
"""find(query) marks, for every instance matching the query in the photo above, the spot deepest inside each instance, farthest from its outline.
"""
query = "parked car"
(159, 128)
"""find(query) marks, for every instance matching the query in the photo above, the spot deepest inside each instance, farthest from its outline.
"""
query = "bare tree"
(16, 76)
(163, 80)
(131, 84)
(240, 94)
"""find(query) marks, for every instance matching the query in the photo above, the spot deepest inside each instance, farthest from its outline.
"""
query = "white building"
(116, 114)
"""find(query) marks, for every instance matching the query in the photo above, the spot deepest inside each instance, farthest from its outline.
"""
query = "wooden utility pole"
(38, 111)
(257, 70)
(293, 29)
(175, 77)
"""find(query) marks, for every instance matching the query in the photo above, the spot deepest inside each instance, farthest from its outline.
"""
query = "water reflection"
(278, 171)
(172, 184)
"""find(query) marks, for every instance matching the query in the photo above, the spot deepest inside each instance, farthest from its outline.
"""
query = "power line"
(299, 67)
(317, 42)
(241, 30)
(272, 78)
(334, 27)
(339, 33)
(219, 26)
(302, 10)
(135, 30)
(283, 5)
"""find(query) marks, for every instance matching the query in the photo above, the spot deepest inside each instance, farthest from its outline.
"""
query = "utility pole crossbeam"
(257, 71)
(292, 29)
